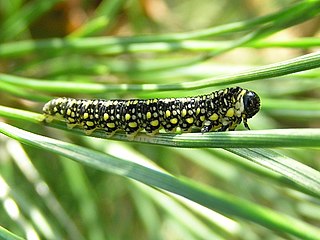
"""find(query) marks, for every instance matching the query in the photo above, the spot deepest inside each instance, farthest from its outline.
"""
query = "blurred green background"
(93, 49)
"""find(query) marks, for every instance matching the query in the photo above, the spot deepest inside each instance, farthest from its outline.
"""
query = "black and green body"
(219, 111)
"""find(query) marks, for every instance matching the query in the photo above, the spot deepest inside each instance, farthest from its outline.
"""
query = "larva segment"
(219, 111)
(110, 116)
(130, 121)
(169, 112)
(188, 113)
(151, 118)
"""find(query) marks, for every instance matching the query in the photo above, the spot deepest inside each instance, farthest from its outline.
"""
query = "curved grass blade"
(306, 178)
(53, 45)
(6, 235)
(237, 139)
(208, 197)
(19, 21)
(302, 63)
(50, 200)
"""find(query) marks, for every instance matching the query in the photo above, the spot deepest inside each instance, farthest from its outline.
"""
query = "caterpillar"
(218, 111)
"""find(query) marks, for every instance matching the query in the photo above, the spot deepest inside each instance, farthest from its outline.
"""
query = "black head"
(251, 103)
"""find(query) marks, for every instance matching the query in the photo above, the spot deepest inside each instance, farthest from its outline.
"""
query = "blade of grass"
(216, 161)
(306, 42)
(6, 235)
(292, 109)
(276, 104)
(99, 46)
(104, 14)
(21, 19)
(34, 215)
(83, 193)
(287, 19)
(302, 63)
(22, 93)
(17, 114)
(15, 213)
(179, 213)
(301, 174)
(209, 197)
(218, 223)
(203, 45)
(308, 137)
(24, 163)
(242, 139)
(26, 47)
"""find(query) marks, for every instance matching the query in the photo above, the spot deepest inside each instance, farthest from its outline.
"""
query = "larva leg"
(224, 128)
(235, 124)
(131, 136)
(152, 133)
(70, 125)
(88, 131)
(207, 127)
(48, 119)
(245, 123)
(110, 134)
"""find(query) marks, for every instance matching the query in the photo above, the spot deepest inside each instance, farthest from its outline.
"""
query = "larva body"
(219, 111)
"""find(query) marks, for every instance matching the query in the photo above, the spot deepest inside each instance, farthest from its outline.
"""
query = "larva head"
(251, 104)
(47, 108)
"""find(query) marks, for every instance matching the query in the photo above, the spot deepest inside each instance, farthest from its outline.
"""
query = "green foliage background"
(258, 184)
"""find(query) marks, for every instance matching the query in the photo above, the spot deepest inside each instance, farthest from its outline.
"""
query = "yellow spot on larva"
(85, 115)
(68, 112)
(105, 116)
(148, 115)
(214, 117)
(110, 125)
(230, 112)
(174, 120)
(168, 113)
(154, 123)
(197, 111)
(127, 116)
(189, 120)
(89, 123)
(183, 112)
(202, 118)
(133, 124)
